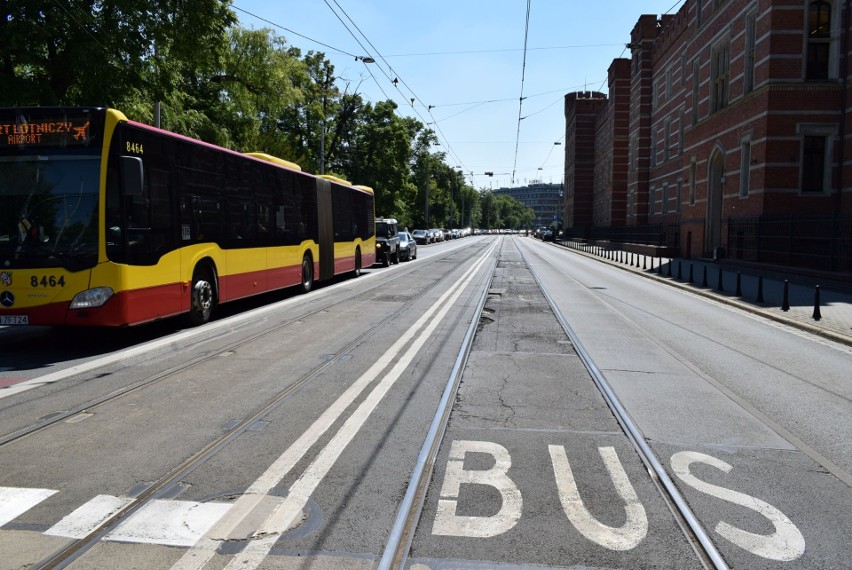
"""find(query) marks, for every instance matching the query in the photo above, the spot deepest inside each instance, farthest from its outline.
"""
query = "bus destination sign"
(55, 132)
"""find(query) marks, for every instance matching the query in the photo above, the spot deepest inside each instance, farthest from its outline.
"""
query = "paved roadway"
(749, 416)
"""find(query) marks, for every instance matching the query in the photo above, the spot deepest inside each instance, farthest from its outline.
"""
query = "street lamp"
(365, 59)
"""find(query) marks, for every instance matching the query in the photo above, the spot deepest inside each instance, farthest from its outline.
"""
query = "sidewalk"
(719, 281)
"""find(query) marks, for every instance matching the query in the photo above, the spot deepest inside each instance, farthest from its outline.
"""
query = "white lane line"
(15, 501)
(197, 556)
(285, 514)
(89, 516)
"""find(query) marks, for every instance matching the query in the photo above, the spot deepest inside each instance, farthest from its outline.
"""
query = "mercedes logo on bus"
(7, 299)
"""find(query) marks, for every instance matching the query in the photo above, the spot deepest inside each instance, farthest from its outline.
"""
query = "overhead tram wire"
(523, 78)
(338, 50)
(288, 30)
(396, 75)
(84, 28)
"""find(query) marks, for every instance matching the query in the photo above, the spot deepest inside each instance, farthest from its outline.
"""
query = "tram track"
(684, 516)
(99, 401)
(158, 488)
(405, 524)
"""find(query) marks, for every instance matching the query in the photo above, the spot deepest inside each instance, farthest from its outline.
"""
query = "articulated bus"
(109, 222)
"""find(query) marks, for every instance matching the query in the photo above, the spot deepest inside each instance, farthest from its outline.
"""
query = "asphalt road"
(286, 433)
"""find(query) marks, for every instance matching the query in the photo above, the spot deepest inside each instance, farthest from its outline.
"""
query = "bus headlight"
(91, 298)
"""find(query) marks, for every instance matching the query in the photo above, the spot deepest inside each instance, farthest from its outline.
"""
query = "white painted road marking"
(15, 501)
(785, 544)
(447, 522)
(627, 536)
(89, 516)
(282, 517)
(172, 523)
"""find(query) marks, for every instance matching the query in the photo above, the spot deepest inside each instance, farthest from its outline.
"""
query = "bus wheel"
(203, 297)
(307, 274)
(357, 271)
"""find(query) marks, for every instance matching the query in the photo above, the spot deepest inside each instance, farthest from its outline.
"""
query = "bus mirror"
(131, 175)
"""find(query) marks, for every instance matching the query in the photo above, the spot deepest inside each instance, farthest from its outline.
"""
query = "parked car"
(407, 247)
(387, 241)
(421, 237)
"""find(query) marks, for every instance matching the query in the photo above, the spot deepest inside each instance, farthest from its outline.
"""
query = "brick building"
(728, 111)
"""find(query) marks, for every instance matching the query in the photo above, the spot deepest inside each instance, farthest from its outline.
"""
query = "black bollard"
(760, 289)
(691, 280)
(817, 314)
(644, 259)
(785, 304)
(679, 272)
(669, 270)
(739, 292)
(704, 279)
(719, 286)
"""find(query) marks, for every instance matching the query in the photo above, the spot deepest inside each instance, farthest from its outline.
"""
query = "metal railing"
(821, 243)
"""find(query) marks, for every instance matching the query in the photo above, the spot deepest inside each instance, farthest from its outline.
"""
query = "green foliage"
(103, 52)
(242, 89)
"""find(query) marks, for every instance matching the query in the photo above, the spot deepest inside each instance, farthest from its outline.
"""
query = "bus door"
(326, 229)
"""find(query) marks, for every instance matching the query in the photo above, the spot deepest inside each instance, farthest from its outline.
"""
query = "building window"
(745, 167)
(720, 74)
(693, 172)
(679, 195)
(668, 135)
(698, 12)
(680, 141)
(819, 39)
(669, 81)
(664, 207)
(815, 164)
(696, 84)
(653, 148)
(750, 41)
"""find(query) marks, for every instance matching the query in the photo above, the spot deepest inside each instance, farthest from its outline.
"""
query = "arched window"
(819, 40)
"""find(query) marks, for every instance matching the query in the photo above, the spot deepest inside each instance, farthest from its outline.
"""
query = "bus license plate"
(14, 320)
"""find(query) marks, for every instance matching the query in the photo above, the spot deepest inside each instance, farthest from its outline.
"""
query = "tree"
(106, 51)
(378, 155)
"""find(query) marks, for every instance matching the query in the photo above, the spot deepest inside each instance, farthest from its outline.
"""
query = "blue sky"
(466, 59)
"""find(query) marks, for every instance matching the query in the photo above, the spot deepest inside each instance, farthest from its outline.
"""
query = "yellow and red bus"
(109, 222)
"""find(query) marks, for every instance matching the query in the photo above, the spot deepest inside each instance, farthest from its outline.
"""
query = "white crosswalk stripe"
(89, 516)
(15, 501)
(163, 522)
(172, 523)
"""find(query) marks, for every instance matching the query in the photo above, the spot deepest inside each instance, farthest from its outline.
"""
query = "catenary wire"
(523, 77)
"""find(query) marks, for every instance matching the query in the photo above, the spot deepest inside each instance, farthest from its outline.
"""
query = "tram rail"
(686, 518)
(74, 550)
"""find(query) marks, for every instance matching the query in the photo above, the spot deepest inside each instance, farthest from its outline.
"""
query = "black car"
(422, 237)
(387, 241)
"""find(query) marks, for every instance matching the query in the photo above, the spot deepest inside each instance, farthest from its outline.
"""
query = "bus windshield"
(49, 211)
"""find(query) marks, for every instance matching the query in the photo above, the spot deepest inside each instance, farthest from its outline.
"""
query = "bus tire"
(357, 271)
(307, 282)
(202, 296)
